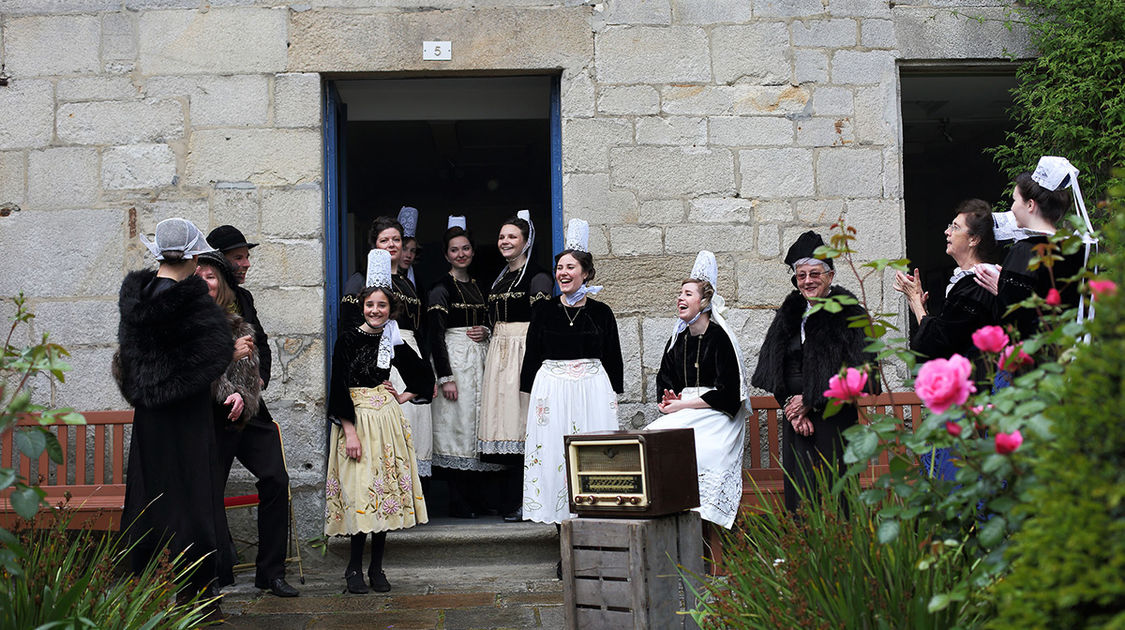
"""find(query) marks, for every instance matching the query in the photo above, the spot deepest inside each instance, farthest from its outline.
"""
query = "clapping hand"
(667, 401)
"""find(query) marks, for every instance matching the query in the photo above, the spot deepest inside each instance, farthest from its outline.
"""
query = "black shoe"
(379, 582)
(278, 586)
(514, 517)
(355, 583)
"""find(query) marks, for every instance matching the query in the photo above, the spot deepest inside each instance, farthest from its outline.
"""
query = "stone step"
(477, 542)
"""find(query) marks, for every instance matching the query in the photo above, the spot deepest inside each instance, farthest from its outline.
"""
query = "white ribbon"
(391, 338)
(580, 293)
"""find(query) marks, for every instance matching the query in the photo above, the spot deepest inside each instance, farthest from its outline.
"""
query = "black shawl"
(171, 346)
(829, 345)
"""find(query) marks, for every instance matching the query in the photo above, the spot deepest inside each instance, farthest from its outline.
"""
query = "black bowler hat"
(804, 247)
(227, 237)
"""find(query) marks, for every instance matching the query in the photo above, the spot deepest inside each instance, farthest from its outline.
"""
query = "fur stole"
(829, 345)
(241, 377)
(171, 346)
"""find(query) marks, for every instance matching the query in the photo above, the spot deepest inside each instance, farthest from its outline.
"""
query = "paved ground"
(446, 575)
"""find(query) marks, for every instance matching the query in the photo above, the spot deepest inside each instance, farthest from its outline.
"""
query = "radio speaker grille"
(609, 457)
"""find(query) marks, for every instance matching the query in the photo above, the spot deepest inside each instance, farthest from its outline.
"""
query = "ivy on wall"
(1070, 100)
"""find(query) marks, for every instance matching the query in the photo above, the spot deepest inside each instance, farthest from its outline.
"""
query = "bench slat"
(118, 454)
(80, 455)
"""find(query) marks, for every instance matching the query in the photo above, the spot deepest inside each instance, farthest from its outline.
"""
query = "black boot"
(355, 562)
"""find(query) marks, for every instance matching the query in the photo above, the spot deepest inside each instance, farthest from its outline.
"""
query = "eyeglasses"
(812, 275)
(953, 227)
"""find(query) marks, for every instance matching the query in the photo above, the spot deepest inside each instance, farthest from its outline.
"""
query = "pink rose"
(953, 428)
(1007, 443)
(990, 339)
(846, 388)
(944, 383)
(1053, 297)
(1102, 287)
(1006, 362)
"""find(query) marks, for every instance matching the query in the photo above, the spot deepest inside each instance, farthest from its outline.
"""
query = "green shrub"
(1068, 560)
(822, 569)
(80, 579)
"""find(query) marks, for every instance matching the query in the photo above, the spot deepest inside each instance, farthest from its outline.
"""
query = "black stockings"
(378, 544)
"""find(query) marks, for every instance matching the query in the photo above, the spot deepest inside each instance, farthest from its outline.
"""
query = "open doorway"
(478, 147)
(949, 117)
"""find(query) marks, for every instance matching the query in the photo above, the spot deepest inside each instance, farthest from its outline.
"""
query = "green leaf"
(888, 531)
(31, 442)
(72, 417)
(7, 478)
(54, 450)
(993, 531)
(938, 602)
(26, 501)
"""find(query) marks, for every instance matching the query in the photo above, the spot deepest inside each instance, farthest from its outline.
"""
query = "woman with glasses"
(969, 240)
(800, 353)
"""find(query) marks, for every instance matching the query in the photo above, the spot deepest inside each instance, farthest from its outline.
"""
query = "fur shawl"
(171, 346)
(829, 345)
(241, 377)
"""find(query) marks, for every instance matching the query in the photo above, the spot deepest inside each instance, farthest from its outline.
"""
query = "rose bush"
(943, 383)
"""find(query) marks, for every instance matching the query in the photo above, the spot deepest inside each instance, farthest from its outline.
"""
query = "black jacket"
(830, 345)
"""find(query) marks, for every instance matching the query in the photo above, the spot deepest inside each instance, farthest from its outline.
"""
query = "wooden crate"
(626, 573)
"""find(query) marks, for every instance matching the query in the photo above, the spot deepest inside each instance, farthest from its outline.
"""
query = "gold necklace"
(576, 313)
(698, 349)
(457, 285)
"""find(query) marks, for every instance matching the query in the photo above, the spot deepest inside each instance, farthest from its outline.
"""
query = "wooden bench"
(762, 469)
(92, 471)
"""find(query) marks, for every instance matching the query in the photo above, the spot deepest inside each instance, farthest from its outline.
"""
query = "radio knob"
(620, 500)
(634, 500)
(579, 499)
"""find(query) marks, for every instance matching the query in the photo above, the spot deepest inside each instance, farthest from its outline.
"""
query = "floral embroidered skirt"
(567, 397)
(419, 416)
(503, 408)
(381, 490)
(719, 444)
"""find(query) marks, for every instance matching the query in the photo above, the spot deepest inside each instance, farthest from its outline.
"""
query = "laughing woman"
(573, 371)
(372, 484)
(459, 342)
(701, 387)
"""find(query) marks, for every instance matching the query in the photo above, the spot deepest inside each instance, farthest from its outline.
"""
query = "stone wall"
(732, 125)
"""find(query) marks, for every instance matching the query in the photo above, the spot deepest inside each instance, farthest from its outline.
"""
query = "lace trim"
(501, 447)
(463, 463)
(510, 295)
(349, 299)
(438, 307)
(719, 494)
(539, 296)
(425, 469)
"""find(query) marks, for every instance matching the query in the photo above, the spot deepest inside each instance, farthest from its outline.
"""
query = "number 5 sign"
(437, 51)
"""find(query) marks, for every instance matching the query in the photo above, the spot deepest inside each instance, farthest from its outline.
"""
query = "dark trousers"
(258, 447)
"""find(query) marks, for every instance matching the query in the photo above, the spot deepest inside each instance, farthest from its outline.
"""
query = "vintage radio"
(632, 473)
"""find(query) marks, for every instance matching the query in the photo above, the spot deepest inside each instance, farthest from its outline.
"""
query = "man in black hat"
(258, 445)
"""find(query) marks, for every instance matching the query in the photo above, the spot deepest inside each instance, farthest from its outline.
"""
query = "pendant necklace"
(572, 319)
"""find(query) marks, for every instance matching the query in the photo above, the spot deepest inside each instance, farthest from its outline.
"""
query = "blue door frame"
(336, 238)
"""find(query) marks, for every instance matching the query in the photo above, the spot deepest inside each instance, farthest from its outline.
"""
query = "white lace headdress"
(408, 217)
(707, 268)
(1053, 173)
(379, 275)
(456, 221)
(578, 235)
(578, 239)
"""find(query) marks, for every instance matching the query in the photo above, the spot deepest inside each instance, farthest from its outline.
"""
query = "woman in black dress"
(174, 341)
(967, 307)
(459, 342)
(387, 234)
(573, 371)
(800, 353)
(1039, 201)
(503, 415)
(372, 484)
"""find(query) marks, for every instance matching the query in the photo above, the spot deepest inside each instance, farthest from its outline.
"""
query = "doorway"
(478, 147)
(950, 116)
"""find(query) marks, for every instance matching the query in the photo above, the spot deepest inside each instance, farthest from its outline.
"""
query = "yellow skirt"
(381, 490)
